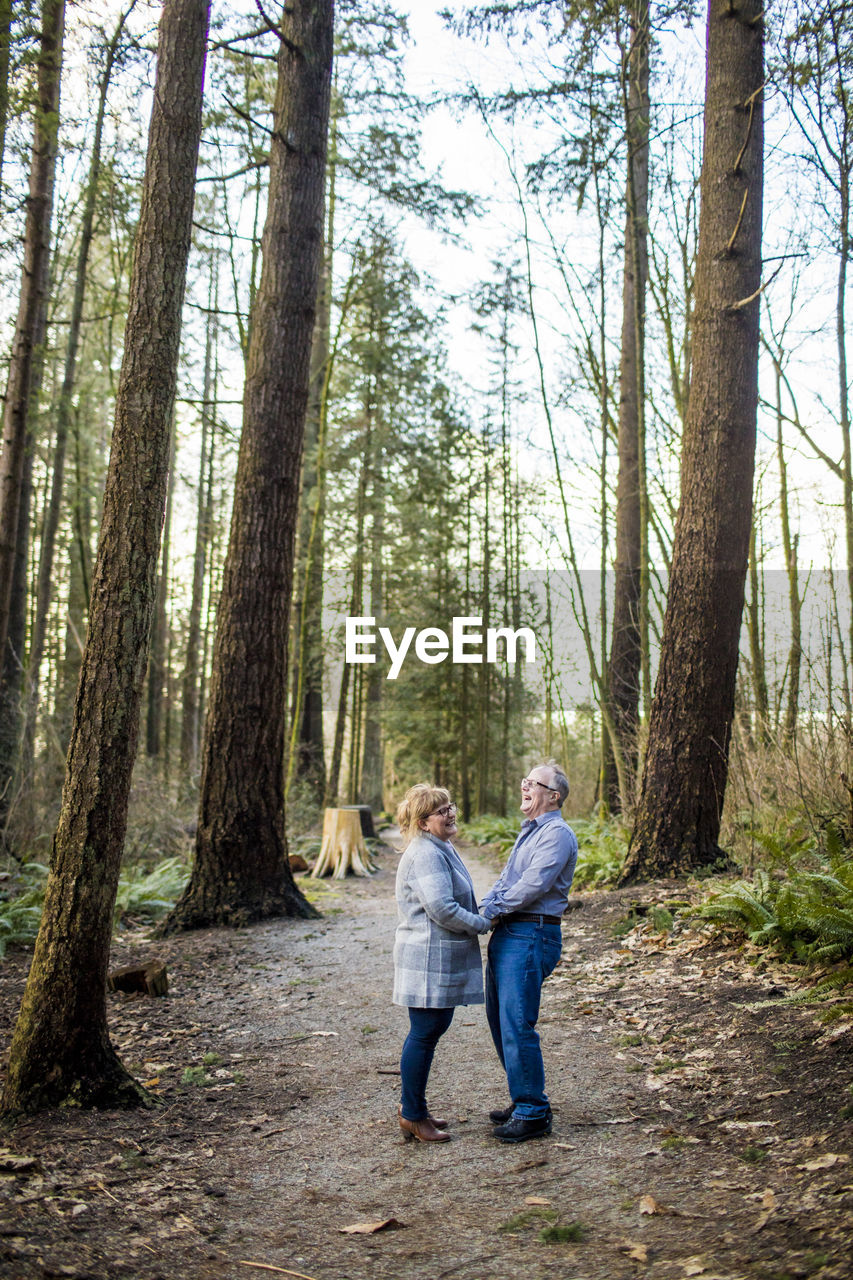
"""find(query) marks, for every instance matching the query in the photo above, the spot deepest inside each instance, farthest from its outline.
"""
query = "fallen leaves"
(12, 1163)
(648, 1204)
(268, 1266)
(636, 1251)
(824, 1162)
(371, 1228)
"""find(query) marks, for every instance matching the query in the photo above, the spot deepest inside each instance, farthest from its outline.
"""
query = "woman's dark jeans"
(426, 1027)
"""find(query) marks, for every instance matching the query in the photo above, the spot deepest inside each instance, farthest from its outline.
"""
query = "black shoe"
(501, 1114)
(519, 1128)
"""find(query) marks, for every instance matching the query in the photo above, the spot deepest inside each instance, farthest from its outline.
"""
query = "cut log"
(149, 978)
(365, 817)
(343, 848)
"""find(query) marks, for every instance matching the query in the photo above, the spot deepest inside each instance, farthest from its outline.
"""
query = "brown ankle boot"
(424, 1130)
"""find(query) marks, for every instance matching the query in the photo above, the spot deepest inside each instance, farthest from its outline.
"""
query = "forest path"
(694, 1134)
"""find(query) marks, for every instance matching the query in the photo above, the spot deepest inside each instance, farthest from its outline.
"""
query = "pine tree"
(684, 779)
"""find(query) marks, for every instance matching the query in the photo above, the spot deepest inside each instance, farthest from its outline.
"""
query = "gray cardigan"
(437, 960)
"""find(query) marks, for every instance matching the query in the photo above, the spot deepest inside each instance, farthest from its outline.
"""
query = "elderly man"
(525, 905)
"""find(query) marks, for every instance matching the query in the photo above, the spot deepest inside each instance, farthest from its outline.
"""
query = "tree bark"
(61, 1052)
(684, 779)
(627, 641)
(79, 579)
(5, 59)
(12, 673)
(192, 662)
(307, 760)
(158, 647)
(63, 412)
(754, 613)
(373, 755)
(33, 287)
(241, 870)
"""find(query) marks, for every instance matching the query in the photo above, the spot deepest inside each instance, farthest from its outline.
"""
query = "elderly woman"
(437, 961)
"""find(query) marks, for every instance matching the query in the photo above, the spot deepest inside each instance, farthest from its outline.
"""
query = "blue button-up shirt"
(539, 870)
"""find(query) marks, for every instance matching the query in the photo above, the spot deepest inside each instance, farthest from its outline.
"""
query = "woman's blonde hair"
(419, 802)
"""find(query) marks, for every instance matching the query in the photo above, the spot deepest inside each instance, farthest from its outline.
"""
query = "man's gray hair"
(560, 782)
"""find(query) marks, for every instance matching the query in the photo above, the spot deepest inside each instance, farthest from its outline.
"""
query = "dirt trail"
(694, 1135)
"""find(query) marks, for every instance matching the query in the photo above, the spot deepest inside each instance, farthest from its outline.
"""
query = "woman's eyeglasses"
(444, 810)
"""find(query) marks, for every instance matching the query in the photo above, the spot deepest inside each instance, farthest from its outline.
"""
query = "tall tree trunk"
(306, 759)
(5, 60)
(465, 708)
(64, 406)
(22, 396)
(11, 676)
(754, 614)
(630, 601)
(192, 662)
(80, 577)
(484, 672)
(843, 383)
(33, 288)
(61, 1050)
(333, 784)
(684, 779)
(372, 770)
(795, 603)
(158, 655)
(241, 870)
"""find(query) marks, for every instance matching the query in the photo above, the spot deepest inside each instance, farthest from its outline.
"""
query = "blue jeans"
(521, 955)
(426, 1027)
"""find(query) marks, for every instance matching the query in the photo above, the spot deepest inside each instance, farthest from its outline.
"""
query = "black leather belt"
(536, 916)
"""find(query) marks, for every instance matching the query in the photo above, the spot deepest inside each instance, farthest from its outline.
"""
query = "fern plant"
(142, 895)
(807, 915)
(151, 894)
(20, 916)
(602, 846)
(490, 828)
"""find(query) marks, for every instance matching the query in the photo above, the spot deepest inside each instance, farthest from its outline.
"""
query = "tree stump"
(365, 817)
(343, 848)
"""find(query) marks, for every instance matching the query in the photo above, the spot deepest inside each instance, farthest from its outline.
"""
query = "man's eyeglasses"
(527, 783)
(444, 810)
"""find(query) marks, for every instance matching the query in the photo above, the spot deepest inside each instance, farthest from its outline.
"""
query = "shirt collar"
(549, 816)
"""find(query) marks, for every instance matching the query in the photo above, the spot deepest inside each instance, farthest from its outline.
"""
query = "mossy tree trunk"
(684, 779)
(61, 1052)
(241, 871)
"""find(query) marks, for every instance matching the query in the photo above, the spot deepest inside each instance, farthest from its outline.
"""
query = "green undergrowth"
(142, 896)
(602, 846)
(799, 905)
(20, 915)
(491, 829)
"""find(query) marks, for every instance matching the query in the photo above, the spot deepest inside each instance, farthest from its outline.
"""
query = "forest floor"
(702, 1126)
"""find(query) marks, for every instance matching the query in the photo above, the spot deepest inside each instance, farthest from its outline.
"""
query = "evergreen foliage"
(143, 896)
(803, 914)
